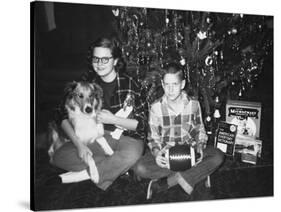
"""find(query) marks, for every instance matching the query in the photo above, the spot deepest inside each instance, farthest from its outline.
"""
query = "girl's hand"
(83, 152)
(106, 117)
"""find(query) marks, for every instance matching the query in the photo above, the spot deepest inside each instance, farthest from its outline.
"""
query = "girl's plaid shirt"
(125, 85)
(168, 126)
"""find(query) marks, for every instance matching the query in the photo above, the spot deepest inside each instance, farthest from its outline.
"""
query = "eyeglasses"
(104, 60)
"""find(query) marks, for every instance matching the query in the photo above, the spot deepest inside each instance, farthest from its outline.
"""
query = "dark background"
(77, 25)
(60, 54)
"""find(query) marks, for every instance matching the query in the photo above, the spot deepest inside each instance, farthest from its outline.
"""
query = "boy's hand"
(199, 147)
(161, 160)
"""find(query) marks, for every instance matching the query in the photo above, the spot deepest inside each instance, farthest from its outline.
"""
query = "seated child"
(175, 119)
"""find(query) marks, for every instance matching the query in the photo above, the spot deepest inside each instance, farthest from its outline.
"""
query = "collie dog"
(82, 101)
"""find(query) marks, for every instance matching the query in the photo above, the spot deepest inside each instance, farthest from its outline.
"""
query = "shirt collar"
(99, 80)
(184, 96)
(185, 100)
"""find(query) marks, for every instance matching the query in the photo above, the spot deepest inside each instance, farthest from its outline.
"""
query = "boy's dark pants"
(146, 167)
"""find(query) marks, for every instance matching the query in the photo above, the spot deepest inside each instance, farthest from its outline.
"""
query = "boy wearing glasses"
(175, 119)
(107, 71)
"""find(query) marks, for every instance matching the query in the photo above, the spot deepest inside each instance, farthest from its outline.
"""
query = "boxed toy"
(247, 143)
(249, 148)
(246, 115)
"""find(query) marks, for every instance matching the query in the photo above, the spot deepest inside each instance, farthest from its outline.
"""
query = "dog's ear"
(98, 93)
(97, 90)
(69, 88)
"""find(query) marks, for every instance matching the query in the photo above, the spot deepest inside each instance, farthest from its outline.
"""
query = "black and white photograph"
(139, 106)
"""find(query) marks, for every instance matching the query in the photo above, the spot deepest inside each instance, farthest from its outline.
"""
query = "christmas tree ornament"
(208, 60)
(203, 72)
(216, 50)
(182, 61)
(166, 18)
(217, 114)
(221, 55)
(240, 93)
(233, 31)
(208, 125)
(115, 12)
(202, 35)
(217, 100)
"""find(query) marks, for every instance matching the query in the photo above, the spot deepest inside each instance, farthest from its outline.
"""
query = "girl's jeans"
(127, 151)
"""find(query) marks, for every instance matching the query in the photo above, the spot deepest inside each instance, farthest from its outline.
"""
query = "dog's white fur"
(84, 124)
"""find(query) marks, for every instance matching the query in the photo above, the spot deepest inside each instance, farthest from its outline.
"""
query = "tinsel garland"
(222, 54)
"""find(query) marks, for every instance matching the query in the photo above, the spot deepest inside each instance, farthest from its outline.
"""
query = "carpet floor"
(227, 183)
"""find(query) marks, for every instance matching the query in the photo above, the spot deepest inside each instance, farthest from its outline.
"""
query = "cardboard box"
(249, 158)
(248, 145)
(246, 115)
(249, 148)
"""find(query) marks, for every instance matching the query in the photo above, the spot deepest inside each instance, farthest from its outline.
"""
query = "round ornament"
(208, 61)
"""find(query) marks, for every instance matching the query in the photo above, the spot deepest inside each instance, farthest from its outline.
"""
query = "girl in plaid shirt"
(106, 70)
(175, 119)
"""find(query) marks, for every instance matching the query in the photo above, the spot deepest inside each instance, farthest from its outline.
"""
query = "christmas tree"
(222, 54)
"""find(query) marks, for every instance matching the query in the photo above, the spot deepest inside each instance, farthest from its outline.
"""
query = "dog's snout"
(88, 109)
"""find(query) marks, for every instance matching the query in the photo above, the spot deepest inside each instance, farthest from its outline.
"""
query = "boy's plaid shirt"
(125, 85)
(180, 127)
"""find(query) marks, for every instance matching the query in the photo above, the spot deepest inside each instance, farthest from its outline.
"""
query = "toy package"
(247, 116)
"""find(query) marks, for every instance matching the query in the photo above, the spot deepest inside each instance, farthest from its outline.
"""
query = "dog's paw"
(94, 177)
(109, 152)
(93, 171)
